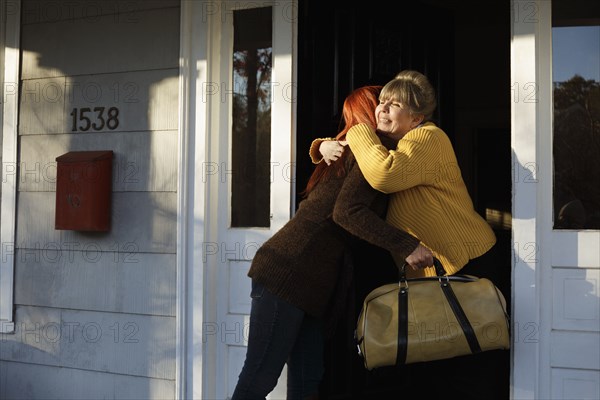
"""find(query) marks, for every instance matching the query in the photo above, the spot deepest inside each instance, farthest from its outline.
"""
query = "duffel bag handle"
(439, 269)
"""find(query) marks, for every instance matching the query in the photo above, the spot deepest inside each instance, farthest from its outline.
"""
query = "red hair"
(359, 107)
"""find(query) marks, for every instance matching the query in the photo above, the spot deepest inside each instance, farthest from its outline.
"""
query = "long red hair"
(359, 107)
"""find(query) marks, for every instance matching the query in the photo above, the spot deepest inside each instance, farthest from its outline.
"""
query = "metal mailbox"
(84, 190)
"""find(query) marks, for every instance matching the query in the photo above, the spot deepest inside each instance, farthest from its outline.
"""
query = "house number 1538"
(96, 119)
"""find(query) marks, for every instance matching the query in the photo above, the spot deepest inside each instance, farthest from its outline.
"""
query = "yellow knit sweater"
(429, 198)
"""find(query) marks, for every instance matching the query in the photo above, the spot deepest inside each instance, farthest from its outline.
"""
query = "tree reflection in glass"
(251, 118)
(576, 145)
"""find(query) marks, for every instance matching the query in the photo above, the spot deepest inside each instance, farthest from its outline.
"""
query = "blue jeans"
(280, 333)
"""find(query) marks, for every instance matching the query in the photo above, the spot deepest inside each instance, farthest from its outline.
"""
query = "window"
(251, 126)
(576, 91)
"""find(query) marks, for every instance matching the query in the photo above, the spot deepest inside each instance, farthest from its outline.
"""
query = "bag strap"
(460, 315)
(402, 347)
(457, 309)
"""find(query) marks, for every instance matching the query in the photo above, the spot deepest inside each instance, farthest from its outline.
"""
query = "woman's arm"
(353, 212)
(412, 163)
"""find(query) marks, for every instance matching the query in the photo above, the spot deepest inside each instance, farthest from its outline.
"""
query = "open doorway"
(464, 49)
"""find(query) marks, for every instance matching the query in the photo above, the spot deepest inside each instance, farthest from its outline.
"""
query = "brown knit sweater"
(301, 263)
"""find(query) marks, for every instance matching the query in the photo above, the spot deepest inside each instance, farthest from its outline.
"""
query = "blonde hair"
(413, 90)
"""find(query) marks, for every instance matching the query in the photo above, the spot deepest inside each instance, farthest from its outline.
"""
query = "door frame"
(538, 350)
(527, 126)
(191, 201)
(200, 39)
(231, 249)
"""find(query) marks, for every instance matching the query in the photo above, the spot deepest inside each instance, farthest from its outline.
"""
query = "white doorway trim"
(525, 130)
(191, 200)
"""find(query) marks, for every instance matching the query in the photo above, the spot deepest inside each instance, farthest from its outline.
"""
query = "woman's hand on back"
(331, 150)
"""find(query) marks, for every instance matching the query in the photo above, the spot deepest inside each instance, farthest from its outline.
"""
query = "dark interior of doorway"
(463, 46)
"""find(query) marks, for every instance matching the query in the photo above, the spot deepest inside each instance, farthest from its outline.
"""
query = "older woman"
(428, 197)
(429, 200)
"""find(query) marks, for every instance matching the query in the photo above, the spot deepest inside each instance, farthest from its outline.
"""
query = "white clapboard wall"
(95, 312)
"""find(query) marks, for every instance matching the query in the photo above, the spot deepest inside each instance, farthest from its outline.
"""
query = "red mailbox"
(83, 191)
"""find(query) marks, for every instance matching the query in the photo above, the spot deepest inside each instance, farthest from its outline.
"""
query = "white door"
(556, 213)
(250, 96)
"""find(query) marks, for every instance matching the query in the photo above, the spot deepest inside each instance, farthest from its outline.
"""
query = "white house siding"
(95, 312)
(2, 28)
